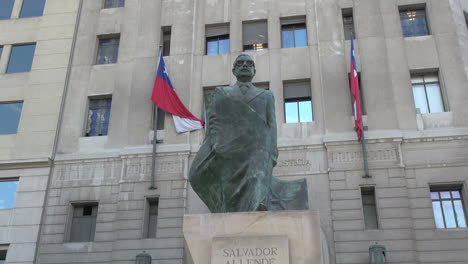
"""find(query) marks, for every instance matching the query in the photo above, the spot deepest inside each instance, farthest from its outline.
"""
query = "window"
(108, 50)
(151, 221)
(369, 208)
(262, 85)
(3, 253)
(426, 92)
(114, 3)
(255, 35)
(466, 18)
(413, 22)
(293, 32)
(98, 116)
(161, 115)
(297, 102)
(166, 41)
(1, 51)
(83, 225)
(217, 39)
(8, 189)
(447, 205)
(361, 94)
(6, 6)
(10, 114)
(32, 8)
(21, 58)
(348, 23)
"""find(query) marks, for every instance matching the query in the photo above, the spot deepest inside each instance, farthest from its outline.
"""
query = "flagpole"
(154, 141)
(364, 155)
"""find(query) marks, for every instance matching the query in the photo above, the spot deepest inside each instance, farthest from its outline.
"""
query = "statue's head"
(244, 68)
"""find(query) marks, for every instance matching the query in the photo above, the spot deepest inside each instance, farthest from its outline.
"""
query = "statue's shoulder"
(268, 93)
(224, 90)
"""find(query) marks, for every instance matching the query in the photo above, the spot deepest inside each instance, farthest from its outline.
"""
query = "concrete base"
(253, 238)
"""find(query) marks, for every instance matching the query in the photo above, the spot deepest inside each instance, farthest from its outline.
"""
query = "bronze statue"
(232, 171)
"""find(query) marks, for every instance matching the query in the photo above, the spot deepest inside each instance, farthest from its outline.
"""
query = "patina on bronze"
(232, 171)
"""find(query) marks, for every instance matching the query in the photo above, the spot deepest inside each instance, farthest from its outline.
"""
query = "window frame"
(96, 97)
(12, 4)
(256, 46)
(114, 5)
(302, 97)
(19, 118)
(161, 117)
(448, 188)
(443, 96)
(3, 252)
(146, 227)
(166, 32)
(11, 54)
(366, 190)
(72, 207)
(217, 39)
(33, 1)
(98, 50)
(346, 13)
(414, 8)
(12, 179)
(217, 32)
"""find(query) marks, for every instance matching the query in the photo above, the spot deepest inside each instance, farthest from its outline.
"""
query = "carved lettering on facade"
(136, 168)
(356, 156)
(294, 163)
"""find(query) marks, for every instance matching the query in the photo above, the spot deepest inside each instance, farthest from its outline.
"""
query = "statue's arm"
(271, 120)
(213, 118)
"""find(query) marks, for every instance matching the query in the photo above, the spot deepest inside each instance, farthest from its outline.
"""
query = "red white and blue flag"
(356, 94)
(165, 97)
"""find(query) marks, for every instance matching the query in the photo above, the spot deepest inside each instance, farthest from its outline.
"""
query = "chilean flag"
(165, 97)
(356, 96)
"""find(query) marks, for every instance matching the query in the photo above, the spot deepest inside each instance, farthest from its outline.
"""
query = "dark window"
(297, 102)
(8, 189)
(426, 93)
(413, 22)
(293, 35)
(217, 39)
(166, 41)
(114, 3)
(161, 115)
(466, 18)
(21, 58)
(447, 205)
(1, 51)
(348, 23)
(262, 85)
(10, 114)
(255, 35)
(108, 50)
(152, 218)
(361, 94)
(32, 8)
(83, 225)
(6, 6)
(98, 117)
(369, 208)
(3, 254)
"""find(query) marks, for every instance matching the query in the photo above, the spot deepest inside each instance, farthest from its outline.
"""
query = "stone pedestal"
(284, 237)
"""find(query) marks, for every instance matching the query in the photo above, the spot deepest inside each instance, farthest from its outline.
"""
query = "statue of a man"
(232, 171)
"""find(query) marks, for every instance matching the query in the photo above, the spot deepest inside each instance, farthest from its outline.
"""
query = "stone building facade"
(35, 42)
(98, 204)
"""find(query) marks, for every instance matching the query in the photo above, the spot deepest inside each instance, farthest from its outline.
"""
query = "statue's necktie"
(244, 88)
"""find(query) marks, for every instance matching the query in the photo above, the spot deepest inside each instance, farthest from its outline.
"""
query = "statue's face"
(244, 68)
